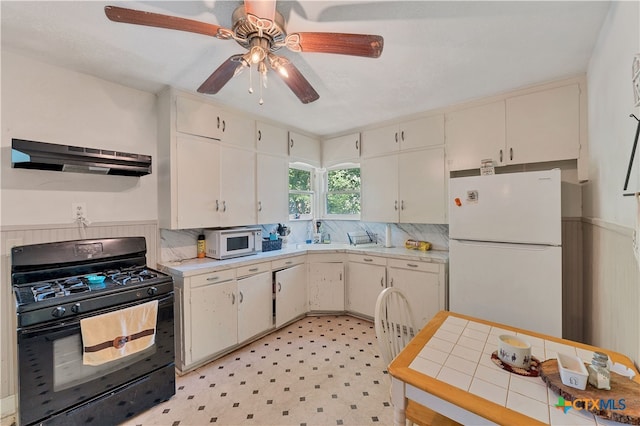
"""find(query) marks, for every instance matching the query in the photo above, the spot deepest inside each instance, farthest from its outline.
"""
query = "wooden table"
(448, 368)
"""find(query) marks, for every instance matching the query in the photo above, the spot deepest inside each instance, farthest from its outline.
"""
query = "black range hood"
(66, 158)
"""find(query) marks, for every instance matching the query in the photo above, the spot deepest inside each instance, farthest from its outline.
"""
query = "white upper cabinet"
(271, 139)
(199, 118)
(239, 131)
(383, 140)
(237, 186)
(419, 133)
(422, 133)
(544, 126)
(343, 149)
(198, 186)
(536, 126)
(304, 148)
(475, 134)
(421, 188)
(272, 187)
(405, 188)
(379, 189)
(206, 164)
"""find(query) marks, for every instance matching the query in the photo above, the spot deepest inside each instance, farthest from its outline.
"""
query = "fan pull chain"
(250, 81)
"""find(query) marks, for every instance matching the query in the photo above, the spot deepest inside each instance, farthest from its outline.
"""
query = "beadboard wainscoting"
(36, 234)
(611, 288)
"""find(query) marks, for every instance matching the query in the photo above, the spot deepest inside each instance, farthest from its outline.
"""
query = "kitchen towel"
(114, 335)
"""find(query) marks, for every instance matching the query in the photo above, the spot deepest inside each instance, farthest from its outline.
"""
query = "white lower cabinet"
(366, 278)
(255, 308)
(290, 293)
(213, 322)
(218, 311)
(326, 286)
(423, 285)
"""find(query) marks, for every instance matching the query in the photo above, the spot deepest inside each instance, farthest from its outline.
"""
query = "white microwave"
(233, 242)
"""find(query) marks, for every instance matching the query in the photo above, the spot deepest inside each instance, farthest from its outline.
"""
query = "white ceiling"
(436, 53)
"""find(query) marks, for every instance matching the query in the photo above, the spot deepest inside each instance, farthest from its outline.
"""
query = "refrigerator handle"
(501, 156)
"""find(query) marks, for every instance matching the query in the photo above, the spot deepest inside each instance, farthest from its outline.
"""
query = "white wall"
(51, 104)
(611, 130)
(611, 272)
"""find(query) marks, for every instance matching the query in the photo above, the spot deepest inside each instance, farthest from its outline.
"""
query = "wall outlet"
(79, 211)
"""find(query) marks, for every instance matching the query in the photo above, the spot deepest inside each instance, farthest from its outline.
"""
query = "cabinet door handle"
(340, 276)
(288, 262)
(218, 125)
(253, 269)
(224, 206)
(396, 137)
(259, 135)
(368, 259)
(402, 205)
(291, 143)
(402, 135)
(395, 206)
(357, 148)
(233, 298)
(241, 297)
(213, 278)
(412, 265)
(279, 287)
(381, 281)
(259, 206)
(224, 125)
(501, 156)
(510, 153)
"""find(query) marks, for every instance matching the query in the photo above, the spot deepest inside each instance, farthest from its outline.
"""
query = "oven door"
(53, 379)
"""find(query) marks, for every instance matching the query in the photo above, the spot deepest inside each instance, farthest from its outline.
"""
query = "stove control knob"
(152, 291)
(58, 312)
(75, 308)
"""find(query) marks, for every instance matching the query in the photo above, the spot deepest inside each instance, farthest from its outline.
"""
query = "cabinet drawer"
(287, 262)
(213, 278)
(371, 260)
(256, 268)
(414, 265)
(325, 257)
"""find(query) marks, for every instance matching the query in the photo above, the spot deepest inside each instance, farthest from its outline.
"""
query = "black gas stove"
(60, 280)
(56, 287)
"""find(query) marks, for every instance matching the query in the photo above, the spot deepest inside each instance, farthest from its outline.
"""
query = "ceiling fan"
(259, 28)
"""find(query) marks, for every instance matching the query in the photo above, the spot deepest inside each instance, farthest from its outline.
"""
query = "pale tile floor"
(323, 370)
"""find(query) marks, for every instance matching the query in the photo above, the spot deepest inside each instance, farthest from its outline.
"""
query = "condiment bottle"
(599, 375)
(201, 246)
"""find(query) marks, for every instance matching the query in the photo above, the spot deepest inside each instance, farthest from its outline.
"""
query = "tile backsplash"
(181, 244)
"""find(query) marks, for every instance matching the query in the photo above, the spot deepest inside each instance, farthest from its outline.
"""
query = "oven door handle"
(57, 330)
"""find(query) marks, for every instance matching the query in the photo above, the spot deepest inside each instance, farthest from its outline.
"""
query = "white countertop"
(190, 267)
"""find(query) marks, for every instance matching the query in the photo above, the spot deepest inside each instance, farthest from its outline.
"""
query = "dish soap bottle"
(202, 246)
(599, 375)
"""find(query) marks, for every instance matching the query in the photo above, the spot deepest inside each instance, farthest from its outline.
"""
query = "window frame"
(312, 192)
(325, 192)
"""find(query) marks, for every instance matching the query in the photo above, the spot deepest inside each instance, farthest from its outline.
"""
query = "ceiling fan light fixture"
(277, 64)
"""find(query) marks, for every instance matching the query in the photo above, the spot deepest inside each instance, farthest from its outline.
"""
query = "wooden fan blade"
(221, 76)
(366, 45)
(297, 83)
(138, 17)
(265, 9)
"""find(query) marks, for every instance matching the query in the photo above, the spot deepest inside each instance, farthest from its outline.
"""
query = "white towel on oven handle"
(117, 334)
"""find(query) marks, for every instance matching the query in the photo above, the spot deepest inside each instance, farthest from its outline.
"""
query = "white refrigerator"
(505, 249)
